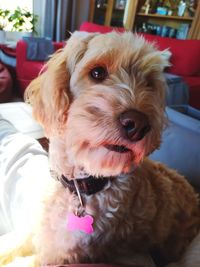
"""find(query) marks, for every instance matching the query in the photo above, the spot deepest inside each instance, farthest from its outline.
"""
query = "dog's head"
(101, 102)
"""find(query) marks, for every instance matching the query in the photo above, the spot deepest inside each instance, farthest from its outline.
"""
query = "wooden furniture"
(131, 17)
(108, 13)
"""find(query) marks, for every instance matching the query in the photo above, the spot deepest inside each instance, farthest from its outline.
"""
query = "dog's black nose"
(134, 124)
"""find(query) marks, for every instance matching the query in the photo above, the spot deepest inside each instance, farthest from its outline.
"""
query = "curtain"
(64, 16)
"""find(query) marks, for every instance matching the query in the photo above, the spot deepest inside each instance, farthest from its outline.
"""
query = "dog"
(101, 101)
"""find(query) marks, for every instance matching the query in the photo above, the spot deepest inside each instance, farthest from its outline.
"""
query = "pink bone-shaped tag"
(83, 224)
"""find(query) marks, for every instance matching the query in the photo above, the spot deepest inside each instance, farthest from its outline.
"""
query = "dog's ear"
(155, 61)
(49, 93)
(165, 55)
(152, 67)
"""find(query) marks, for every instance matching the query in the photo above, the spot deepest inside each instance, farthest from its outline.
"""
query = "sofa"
(181, 143)
(185, 60)
(27, 70)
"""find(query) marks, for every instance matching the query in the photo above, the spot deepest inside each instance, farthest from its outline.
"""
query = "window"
(12, 5)
(24, 5)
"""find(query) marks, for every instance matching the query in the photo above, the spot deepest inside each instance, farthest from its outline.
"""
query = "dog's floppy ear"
(165, 55)
(49, 93)
(152, 66)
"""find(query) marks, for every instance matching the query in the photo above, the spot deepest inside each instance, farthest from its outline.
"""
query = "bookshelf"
(172, 25)
(133, 16)
(164, 17)
(108, 12)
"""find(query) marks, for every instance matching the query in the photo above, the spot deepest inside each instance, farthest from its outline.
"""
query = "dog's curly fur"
(145, 206)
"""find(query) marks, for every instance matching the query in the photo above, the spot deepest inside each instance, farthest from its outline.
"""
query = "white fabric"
(24, 170)
(20, 115)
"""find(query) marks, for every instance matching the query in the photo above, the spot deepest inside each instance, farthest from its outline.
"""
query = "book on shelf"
(165, 31)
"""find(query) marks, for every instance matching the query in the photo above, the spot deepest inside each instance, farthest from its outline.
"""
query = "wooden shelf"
(165, 17)
(131, 19)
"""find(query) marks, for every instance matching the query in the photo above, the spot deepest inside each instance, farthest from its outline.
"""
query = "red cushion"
(32, 69)
(192, 81)
(92, 27)
(185, 57)
(58, 45)
(27, 70)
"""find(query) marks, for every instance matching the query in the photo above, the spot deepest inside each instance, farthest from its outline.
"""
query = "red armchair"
(27, 70)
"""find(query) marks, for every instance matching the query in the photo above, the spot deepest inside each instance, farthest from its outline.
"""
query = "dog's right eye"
(98, 74)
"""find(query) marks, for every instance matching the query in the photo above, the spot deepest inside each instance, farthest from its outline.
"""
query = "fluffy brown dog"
(101, 102)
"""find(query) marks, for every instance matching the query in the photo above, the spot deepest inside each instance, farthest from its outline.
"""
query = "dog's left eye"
(99, 73)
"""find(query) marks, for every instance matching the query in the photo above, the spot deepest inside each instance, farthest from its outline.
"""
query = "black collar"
(88, 186)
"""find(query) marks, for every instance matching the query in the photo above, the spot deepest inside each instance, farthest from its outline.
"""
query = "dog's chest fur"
(112, 210)
(126, 215)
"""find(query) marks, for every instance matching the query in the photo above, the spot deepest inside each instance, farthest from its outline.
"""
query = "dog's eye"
(99, 73)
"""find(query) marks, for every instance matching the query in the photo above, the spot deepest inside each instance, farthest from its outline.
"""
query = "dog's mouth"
(117, 148)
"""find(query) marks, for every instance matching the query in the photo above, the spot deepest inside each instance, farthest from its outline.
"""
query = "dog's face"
(101, 102)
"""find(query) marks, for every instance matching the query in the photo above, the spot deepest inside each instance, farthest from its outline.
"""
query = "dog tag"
(76, 223)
